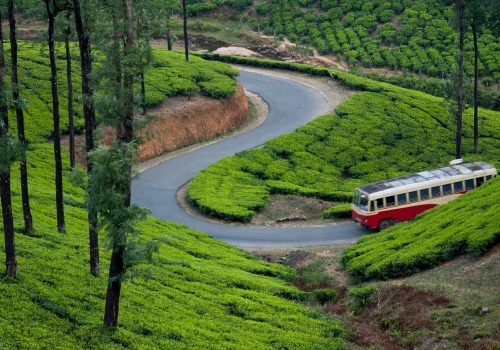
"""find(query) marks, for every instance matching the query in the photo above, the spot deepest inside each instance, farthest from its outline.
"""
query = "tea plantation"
(466, 225)
(383, 132)
(413, 36)
(168, 75)
(198, 293)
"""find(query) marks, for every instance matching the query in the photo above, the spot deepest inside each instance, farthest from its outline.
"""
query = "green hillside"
(466, 225)
(198, 293)
(409, 35)
(383, 132)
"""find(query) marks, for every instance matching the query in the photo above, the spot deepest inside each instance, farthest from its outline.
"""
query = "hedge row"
(467, 225)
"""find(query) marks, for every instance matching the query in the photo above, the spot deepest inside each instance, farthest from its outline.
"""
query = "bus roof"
(467, 169)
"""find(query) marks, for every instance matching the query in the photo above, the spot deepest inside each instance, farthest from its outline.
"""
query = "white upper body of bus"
(454, 179)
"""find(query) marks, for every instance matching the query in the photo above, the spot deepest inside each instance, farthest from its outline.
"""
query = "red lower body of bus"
(373, 220)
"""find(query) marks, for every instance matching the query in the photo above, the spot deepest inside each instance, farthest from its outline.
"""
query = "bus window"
(469, 184)
(390, 201)
(413, 196)
(372, 205)
(436, 191)
(424, 194)
(380, 203)
(479, 181)
(402, 199)
(488, 177)
(446, 189)
(459, 186)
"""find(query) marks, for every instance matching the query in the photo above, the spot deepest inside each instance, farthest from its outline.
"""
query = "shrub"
(324, 295)
(360, 297)
(337, 211)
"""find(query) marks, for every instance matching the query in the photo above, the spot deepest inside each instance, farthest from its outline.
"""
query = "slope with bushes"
(415, 36)
(383, 132)
(466, 225)
(198, 293)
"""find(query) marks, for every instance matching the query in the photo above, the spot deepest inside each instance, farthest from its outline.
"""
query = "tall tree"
(460, 10)
(185, 23)
(476, 88)
(90, 123)
(28, 219)
(5, 194)
(69, 79)
(52, 11)
(125, 135)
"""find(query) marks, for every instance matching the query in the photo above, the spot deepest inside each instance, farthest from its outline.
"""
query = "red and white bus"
(381, 204)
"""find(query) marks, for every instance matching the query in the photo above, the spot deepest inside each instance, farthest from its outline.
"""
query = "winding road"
(291, 104)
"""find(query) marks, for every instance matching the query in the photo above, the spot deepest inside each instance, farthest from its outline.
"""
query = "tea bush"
(337, 211)
(199, 293)
(469, 224)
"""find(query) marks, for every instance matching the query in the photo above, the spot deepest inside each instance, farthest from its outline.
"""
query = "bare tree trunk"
(89, 117)
(125, 134)
(169, 39)
(143, 93)
(5, 194)
(28, 219)
(460, 83)
(69, 79)
(186, 38)
(61, 226)
(476, 89)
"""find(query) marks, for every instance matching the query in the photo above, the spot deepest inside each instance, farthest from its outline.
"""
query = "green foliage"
(404, 131)
(412, 36)
(360, 297)
(313, 276)
(199, 293)
(469, 224)
(169, 75)
(11, 150)
(342, 210)
(324, 295)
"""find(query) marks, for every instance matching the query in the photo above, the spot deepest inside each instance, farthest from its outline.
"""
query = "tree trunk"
(143, 93)
(28, 219)
(89, 120)
(125, 134)
(460, 83)
(69, 79)
(186, 38)
(5, 194)
(476, 89)
(169, 39)
(61, 227)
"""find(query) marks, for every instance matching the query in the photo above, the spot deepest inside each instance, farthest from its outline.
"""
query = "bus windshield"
(360, 200)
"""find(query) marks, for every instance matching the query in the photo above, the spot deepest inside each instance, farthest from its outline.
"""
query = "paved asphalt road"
(291, 105)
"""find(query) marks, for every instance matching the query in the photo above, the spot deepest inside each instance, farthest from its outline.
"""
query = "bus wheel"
(386, 224)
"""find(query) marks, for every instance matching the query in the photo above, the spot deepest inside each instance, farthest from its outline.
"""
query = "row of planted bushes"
(381, 133)
(364, 33)
(467, 225)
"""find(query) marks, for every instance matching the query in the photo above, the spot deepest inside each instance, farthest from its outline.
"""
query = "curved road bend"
(291, 105)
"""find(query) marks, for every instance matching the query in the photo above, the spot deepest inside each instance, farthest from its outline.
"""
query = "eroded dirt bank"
(182, 121)
(179, 122)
